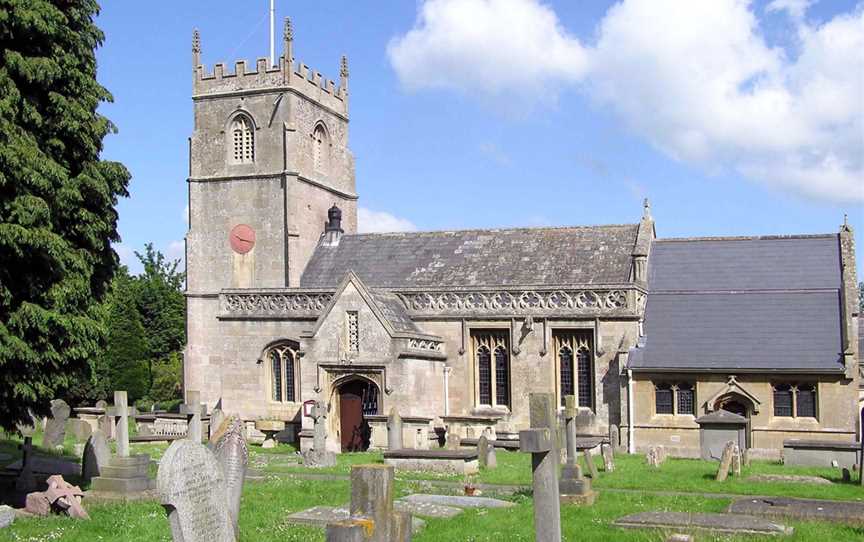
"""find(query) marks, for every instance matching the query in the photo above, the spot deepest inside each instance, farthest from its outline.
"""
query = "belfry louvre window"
(242, 140)
(795, 400)
(283, 373)
(320, 149)
(575, 366)
(491, 352)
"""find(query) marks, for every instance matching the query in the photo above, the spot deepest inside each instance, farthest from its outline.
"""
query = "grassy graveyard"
(633, 487)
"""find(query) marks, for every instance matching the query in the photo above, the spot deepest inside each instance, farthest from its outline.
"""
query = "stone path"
(803, 509)
(458, 501)
(717, 523)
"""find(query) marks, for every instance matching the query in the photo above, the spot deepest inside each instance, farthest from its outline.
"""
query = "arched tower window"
(283, 372)
(242, 140)
(320, 148)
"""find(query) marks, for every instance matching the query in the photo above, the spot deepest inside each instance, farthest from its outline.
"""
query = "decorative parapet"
(558, 302)
(273, 304)
(426, 345)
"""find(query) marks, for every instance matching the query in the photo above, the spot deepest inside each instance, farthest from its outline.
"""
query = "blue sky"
(734, 119)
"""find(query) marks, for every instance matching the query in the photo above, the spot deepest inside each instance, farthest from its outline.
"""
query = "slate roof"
(478, 258)
(743, 304)
(394, 311)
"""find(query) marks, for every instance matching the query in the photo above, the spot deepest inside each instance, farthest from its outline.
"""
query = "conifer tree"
(57, 201)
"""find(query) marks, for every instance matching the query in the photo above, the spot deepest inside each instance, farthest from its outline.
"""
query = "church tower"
(267, 158)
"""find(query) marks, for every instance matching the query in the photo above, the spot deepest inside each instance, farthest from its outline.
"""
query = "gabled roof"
(477, 258)
(743, 304)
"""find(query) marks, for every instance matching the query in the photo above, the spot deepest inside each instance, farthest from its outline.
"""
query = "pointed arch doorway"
(740, 405)
(356, 398)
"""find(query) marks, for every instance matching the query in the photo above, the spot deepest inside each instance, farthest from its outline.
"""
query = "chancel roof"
(478, 258)
(743, 304)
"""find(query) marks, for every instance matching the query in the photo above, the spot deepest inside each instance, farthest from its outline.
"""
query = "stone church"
(287, 303)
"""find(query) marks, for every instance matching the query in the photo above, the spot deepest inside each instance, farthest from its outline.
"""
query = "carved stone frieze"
(425, 344)
(275, 304)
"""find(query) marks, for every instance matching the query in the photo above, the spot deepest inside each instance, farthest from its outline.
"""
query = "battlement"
(288, 74)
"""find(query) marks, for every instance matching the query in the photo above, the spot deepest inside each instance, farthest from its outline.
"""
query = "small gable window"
(242, 140)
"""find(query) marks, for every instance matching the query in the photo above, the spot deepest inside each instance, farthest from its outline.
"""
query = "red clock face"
(242, 238)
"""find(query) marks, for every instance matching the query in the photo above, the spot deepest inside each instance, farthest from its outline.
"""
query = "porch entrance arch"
(355, 398)
(741, 405)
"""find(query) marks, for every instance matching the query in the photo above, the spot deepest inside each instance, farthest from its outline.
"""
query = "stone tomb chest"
(718, 428)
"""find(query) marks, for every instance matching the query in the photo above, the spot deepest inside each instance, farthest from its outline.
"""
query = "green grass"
(266, 505)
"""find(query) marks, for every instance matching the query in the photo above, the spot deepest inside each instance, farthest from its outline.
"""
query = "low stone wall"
(460, 462)
(820, 453)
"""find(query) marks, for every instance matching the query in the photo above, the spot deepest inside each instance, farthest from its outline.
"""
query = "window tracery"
(575, 366)
(493, 379)
(242, 140)
(283, 372)
(320, 148)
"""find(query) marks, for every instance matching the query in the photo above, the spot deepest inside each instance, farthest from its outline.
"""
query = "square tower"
(268, 156)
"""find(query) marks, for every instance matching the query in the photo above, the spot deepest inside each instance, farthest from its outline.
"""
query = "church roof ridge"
(495, 230)
(777, 237)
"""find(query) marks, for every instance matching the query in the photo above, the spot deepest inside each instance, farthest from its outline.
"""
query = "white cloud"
(490, 47)
(176, 251)
(695, 79)
(369, 221)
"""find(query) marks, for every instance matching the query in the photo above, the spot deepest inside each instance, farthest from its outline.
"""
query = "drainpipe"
(631, 431)
(447, 391)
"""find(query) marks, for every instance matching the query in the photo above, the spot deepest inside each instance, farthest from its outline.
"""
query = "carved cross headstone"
(191, 487)
(394, 430)
(574, 487)
(26, 482)
(120, 412)
(542, 443)
(233, 454)
(55, 429)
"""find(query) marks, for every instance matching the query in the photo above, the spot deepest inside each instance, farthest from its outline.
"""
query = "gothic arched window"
(492, 359)
(565, 360)
(242, 140)
(320, 148)
(283, 372)
(575, 365)
(583, 356)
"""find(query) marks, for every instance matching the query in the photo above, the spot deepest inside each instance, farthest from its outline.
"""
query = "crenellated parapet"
(289, 74)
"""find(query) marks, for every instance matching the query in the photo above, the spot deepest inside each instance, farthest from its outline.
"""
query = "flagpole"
(272, 31)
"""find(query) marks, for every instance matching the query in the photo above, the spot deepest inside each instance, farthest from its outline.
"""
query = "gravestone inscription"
(191, 487)
(232, 452)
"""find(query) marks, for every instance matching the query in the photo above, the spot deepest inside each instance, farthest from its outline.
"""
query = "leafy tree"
(161, 303)
(167, 381)
(57, 201)
(126, 352)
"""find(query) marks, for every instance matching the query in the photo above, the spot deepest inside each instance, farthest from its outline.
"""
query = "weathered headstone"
(79, 429)
(26, 482)
(615, 438)
(725, 461)
(542, 443)
(233, 456)
(217, 431)
(846, 475)
(654, 456)
(7, 516)
(124, 473)
(491, 458)
(592, 466)
(106, 426)
(319, 456)
(454, 439)
(372, 509)
(394, 430)
(574, 487)
(482, 450)
(55, 429)
(102, 403)
(736, 460)
(192, 489)
(217, 419)
(745, 457)
(608, 457)
(96, 457)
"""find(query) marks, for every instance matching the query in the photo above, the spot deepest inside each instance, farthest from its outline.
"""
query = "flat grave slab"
(320, 516)
(793, 478)
(804, 509)
(463, 461)
(458, 501)
(503, 444)
(49, 465)
(717, 523)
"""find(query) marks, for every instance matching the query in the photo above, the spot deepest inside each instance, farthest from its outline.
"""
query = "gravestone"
(542, 443)
(217, 420)
(491, 461)
(97, 455)
(615, 438)
(124, 474)
(26, 482)
(232, 453)
(216, 431)
(192, 409)
(106, 426)
(592, 466)
(55, 429)
(102, 403)
(120, 413)
(725, 461)
(454, 440)
(394, 430)
(319, 456)
(7, 516)
(191, 487)
(736, 460)
(745, 457)
(80, 429)
(654, 456)
(482, 450)
(372, 509)
(608, 457)
(573, 486)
